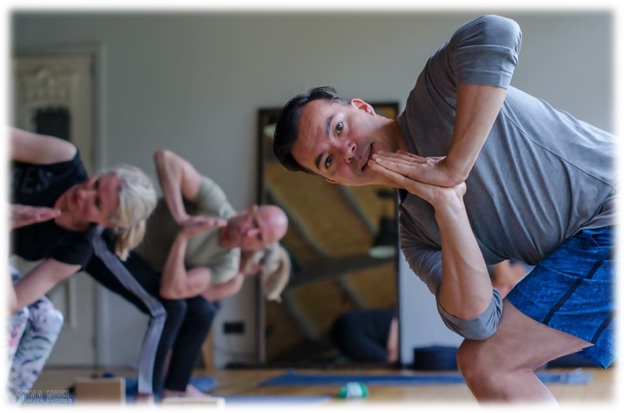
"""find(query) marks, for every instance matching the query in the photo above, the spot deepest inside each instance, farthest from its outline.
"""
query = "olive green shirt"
(202, 250)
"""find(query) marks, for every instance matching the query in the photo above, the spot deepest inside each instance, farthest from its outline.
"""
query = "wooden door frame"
(97, 52)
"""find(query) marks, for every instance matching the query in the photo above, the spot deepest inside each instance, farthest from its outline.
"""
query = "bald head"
(255, 228)
(276, 222)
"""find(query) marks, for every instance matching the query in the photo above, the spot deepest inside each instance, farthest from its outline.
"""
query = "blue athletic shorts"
(572, 290)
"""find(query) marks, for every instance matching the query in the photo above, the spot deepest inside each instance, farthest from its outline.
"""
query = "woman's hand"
(22, 215)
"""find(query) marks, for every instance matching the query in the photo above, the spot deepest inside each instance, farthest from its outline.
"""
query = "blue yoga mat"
(272, 400)
(292, 378)
(203, 383)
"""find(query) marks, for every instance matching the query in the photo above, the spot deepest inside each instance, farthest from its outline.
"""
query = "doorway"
(53, 95)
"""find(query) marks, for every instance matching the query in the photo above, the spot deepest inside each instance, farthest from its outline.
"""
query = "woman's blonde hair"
(137, 200)
(274, 270)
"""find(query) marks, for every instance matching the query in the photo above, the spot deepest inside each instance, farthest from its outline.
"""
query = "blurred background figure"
(368, 335)
(372, 335)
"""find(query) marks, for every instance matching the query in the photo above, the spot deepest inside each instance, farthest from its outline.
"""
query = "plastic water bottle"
(353, 390)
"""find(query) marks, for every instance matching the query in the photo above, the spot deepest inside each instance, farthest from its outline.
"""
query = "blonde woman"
(48, 172)
(56, 210)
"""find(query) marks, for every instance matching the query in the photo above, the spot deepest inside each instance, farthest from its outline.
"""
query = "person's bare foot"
(191, 391)
(144, 398)
(166, 393)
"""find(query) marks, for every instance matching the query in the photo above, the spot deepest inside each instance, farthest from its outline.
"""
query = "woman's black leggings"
(177, 325)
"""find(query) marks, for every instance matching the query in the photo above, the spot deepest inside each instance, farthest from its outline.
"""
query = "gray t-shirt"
(202, 250)
(541, 176)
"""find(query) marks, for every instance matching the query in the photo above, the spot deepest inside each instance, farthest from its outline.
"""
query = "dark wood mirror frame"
(367, 205)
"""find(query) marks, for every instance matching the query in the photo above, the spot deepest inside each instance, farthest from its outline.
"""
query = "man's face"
(337, 140)
(255, 228)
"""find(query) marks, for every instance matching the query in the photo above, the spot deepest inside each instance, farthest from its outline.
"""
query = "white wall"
(192, 82)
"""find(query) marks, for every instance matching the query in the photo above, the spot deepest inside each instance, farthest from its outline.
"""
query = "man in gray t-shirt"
(486, 173)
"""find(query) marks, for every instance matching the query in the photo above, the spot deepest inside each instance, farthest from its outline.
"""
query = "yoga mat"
(292, 378)
(272, 400)
(203, 383)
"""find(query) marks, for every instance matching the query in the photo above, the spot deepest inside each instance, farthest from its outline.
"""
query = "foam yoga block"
(100, 390)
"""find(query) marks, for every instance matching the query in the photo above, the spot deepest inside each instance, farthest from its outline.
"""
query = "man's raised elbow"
(482, 329)
(161, 155)
(480, 335)
(474, 329)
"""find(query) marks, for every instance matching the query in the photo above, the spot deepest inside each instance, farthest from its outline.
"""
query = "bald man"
(189, 260)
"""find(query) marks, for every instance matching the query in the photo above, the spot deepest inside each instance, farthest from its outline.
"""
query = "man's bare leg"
(502, 368)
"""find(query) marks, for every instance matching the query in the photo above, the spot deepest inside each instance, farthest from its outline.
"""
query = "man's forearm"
(179, 282)
(174, 279)
(228, 289)
(466, 289)
(477, 109)
(170, 177)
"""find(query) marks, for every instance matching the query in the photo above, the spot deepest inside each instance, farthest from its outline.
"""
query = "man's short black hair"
(287, 128)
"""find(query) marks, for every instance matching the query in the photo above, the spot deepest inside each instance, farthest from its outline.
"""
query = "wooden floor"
(600, 389)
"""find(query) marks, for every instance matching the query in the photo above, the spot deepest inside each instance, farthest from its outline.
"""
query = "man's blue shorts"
(572, 290)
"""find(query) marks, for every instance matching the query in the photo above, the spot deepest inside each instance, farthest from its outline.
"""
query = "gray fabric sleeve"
(423, 259)
(485, 51)
(479, 328)
(426, 262)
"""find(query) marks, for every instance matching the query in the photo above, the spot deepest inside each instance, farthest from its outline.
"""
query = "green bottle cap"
(353, 390)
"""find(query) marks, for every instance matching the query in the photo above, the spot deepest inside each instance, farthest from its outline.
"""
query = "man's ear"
(331, 181)
(362, 105)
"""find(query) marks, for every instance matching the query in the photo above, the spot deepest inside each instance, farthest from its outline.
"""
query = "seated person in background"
(372, 335)
(191, 259)
(367, 335)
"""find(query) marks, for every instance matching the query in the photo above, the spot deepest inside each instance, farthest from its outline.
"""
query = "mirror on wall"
(343, 246)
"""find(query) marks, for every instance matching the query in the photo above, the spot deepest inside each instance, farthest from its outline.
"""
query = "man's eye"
(328, 161)
(339, 128)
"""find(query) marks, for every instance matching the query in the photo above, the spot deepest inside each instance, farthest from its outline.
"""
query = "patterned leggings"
(33, 330)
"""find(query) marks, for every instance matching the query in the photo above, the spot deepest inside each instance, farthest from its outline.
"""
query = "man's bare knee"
(472, 360)
(484, 368)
